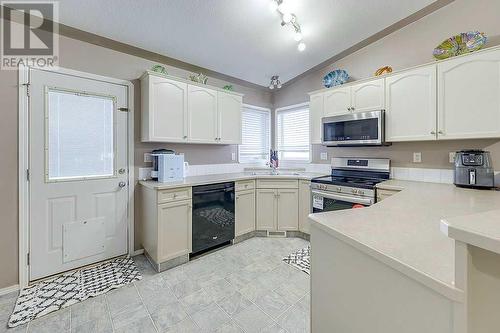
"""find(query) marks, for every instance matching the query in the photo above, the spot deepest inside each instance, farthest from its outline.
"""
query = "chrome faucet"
(273, 167)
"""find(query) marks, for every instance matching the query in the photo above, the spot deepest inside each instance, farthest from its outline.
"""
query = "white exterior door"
(368, 96)
(229, 119)
(469, 97)
(411, 105)
(202, 113)
(78, 159)
(337, 101)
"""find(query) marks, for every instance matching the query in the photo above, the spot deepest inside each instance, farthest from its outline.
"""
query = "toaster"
(473, 168)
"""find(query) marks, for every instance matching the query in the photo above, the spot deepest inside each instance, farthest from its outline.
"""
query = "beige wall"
(409, 46)
(89, 58)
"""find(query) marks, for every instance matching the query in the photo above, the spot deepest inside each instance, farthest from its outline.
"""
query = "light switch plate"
(417, 157)
(452, 156)
(324, 156)
(148, 158)
(233, 156)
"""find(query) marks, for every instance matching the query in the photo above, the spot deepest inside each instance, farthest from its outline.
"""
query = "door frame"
(23, 161)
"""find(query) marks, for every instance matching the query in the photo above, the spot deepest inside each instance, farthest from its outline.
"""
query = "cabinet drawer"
(174, 194)
(277, 183)
(243, 185)
(384, 194)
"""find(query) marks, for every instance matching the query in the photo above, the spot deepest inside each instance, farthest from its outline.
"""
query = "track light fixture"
(288, 18)
(275, 82)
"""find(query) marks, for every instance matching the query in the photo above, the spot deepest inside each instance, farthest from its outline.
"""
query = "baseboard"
(138, 252)
(8, 290)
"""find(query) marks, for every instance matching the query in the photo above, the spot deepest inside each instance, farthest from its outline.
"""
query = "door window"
(80, 135)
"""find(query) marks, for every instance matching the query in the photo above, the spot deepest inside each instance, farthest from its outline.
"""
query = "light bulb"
(287, 17)
(273, 6)
(301, 47)
(297, 36)
(271, 86)
(279, 85)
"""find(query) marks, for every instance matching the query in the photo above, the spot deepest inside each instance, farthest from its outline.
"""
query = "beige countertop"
(481, 229)
(226, 177)
(403, 231)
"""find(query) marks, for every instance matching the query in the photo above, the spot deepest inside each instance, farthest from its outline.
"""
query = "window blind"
(256, 135)
(292, 134)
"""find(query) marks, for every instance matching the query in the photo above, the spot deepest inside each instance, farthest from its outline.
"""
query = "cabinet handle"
(433, 132)
(185, 137)
(348, 109)
(352, 108)
(440, 132)
(237, 197)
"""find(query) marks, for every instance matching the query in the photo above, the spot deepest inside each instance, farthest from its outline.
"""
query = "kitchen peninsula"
(394, 266)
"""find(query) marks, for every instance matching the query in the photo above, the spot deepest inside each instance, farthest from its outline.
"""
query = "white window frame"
(275, 143)
(257, 108)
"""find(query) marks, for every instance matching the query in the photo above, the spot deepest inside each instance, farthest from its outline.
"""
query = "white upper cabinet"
(337, 101)
(229, 107)
(164, 110)
(202, 113)
(175, 110)
(469, 96)
(368, 96)
(411, 105)
(315, 115)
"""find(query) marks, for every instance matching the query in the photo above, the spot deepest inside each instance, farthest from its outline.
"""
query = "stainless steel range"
(351, 184)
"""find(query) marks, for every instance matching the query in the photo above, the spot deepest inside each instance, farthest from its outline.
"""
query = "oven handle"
(363, 201)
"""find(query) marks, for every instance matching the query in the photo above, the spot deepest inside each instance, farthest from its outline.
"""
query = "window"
(256, 135)
(292, 133)
(80, 135)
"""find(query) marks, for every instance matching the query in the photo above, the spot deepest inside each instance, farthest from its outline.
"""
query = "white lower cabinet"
(166, 218)
(277, 208)
(174, 229)
(304, 205)
(244, 211)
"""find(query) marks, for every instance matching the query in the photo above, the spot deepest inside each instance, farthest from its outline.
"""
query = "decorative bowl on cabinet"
(335, 78)
(460, 44)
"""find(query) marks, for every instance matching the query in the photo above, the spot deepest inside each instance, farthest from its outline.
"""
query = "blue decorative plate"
(335, 78)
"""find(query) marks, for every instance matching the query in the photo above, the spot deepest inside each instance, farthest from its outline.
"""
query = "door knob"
(122, 184)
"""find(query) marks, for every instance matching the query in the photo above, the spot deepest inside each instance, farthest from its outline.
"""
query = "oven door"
(354, 129)
(322, 201)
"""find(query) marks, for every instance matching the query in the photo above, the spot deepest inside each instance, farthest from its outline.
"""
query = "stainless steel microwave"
(354, 129)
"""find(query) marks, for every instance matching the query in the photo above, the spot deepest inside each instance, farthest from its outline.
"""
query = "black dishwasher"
(213, 215)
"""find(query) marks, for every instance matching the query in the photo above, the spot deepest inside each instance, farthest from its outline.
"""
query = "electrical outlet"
(417, 157)
(452, 156)
(233, 156)
(324, 156)
(148, 158)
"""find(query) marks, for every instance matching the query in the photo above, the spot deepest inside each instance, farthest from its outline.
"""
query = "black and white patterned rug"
(69, 288)
(300, 259)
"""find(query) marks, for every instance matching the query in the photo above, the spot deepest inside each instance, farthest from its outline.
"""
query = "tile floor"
(241, 288)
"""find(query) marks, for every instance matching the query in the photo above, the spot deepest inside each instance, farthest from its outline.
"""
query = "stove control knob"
(339, 188)
(354, 191)
(361, 192)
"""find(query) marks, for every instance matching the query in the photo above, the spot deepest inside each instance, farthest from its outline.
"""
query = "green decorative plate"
(460, 44)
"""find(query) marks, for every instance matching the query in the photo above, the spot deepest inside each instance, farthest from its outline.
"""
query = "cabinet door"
(304, 205)
(469, 96)
(202, 111)
(229, 106)
(337, 101)
(288, 209)
(315, 115)
(244, 212)
(266, 209)
(411, 105)
(368, 96)
(174, 229)
(166, 108)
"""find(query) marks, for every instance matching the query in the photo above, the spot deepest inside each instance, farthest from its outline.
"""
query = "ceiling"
(239, 38)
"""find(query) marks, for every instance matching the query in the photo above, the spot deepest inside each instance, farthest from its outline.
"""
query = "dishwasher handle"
(221, 190)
